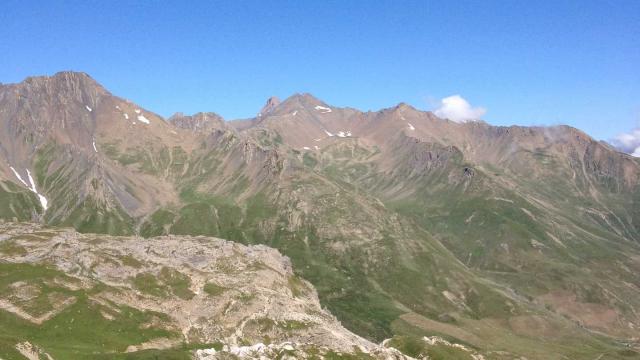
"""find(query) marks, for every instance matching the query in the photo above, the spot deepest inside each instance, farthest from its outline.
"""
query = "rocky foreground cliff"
(67, 295)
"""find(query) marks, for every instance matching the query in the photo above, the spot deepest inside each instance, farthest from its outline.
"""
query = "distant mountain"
(517, 239)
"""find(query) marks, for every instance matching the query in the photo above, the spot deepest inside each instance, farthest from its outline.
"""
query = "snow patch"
(137, 111)
(411, 127)
(143, 119)
(32, 187)
(344, 134)
(295, 113)
(88, 108)
(43, 200)
(322, 109)
(306, 148)
(118, 107)
(94, 145)
(126, 116)
(328, 133)
(317, 147)
(18, 176)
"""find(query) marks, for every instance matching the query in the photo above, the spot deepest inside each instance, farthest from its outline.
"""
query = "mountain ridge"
(408, 225)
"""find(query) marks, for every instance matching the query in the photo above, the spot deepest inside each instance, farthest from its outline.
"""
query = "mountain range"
(516, 242)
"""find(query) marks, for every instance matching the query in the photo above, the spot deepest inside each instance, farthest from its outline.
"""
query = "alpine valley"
(309, 231)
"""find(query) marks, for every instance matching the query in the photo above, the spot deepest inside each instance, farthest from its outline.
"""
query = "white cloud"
(456, 108)
(628, 142)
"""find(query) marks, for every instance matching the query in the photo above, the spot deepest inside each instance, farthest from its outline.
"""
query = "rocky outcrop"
(207, 290)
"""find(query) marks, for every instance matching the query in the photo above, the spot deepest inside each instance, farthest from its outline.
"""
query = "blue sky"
(525, 62)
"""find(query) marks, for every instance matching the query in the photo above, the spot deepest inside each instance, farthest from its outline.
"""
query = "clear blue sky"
(526, 62)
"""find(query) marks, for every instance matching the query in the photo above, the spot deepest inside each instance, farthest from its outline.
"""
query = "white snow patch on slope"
(328, 133)
(306, 148)
(143, 119)
(88, 108)
(317, 147)
(126, 116)
(18, 176)
(295, 113)
(322, 109)
(94, 145)
(43, 200)
(344, 134)
(411, 126)
(137, 111)
(32, 187)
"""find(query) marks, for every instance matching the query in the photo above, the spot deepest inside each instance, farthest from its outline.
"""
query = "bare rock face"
(200, 290)
(200, 122)
(271, 104)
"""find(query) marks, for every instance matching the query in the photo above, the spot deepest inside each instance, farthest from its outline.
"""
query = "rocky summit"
(390, 234)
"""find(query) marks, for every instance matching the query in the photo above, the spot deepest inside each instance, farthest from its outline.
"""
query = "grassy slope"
(368, 285)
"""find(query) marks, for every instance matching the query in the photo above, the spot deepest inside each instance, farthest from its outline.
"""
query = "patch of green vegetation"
(290, 325)
(158, 223)
(16, 202)
(416, 347)
(309, 160)
(148, 283)
(214, 289)
(78, 331)
(43, 159)
(278, 139)
(409, 345)
(178, 282)
(245, 297)
(90, 217)
(12, 248)
(297, 286)
(152, 354)
(168, 281)
(111, 150)
(209, 215)
(129, 260)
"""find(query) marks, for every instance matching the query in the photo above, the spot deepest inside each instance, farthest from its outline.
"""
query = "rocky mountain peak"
(270, 105)
(54, 93)
(66, 82)
(305, 98)
(301, 101)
